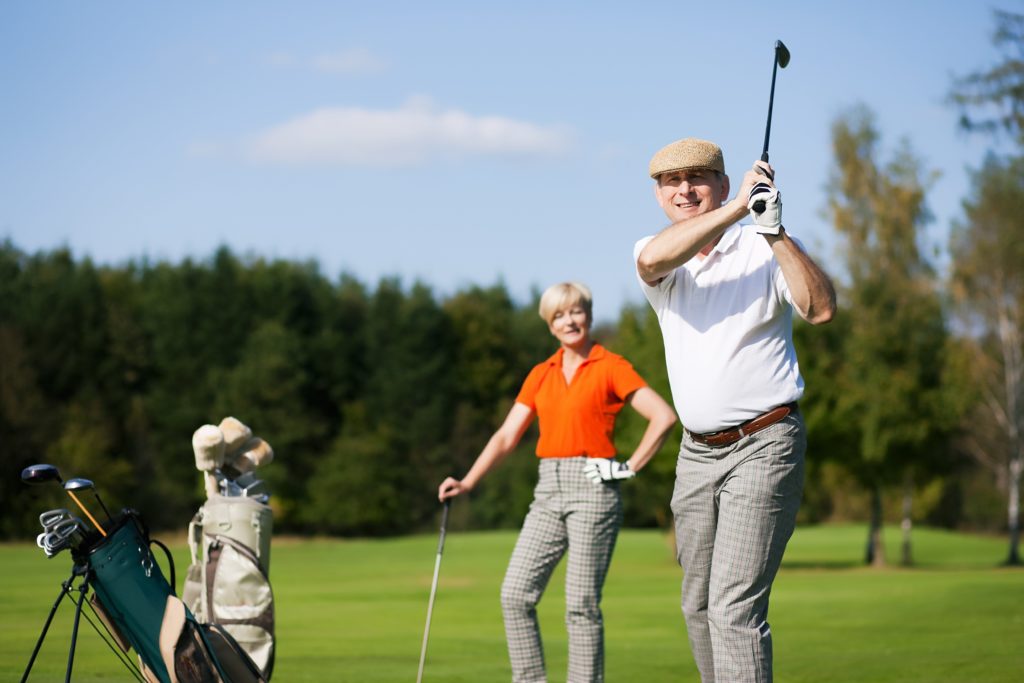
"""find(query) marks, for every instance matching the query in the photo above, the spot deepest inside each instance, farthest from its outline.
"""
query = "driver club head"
(781, 54)
(80, 484)
(39, 474)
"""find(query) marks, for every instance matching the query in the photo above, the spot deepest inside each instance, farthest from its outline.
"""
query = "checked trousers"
(574, 516)
(735, 509)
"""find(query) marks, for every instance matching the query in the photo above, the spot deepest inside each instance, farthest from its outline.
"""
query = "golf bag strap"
(170, 563)
(195, 536)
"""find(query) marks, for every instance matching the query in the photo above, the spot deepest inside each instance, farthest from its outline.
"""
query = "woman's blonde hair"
(562, 296)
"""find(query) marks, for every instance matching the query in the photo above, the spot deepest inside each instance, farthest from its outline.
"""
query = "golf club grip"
(759, 204)
(444, 526)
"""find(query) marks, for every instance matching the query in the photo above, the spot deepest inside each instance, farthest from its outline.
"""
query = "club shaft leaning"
(87, 514)
(430, 611)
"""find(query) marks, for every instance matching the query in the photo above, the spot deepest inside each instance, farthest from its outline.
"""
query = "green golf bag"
(136, 601)
(228, 582)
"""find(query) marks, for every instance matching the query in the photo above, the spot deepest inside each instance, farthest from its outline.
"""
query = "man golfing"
(724, 294)
(576, 395)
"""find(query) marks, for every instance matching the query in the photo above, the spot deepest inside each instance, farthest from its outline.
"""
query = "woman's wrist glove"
(606, 469)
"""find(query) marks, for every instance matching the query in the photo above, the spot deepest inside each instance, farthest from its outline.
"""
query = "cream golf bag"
(228, 582)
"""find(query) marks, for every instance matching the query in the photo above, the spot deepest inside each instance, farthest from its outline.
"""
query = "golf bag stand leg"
(65, 590)
(82, 589)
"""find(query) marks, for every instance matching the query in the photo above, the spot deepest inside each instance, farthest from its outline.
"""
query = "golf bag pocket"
(195, 653)
(228, 583)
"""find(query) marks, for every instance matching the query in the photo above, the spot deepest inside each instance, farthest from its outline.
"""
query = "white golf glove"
(769, 221)
(606, 469)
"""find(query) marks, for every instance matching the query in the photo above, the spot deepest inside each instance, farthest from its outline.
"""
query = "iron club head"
(51, 518)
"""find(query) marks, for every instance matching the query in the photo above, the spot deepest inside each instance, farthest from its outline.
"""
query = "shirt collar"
(597, 352)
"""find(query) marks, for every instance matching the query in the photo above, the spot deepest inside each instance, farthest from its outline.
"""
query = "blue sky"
(456, 143)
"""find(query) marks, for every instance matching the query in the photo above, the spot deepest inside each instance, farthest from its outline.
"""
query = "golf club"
(433, 588)
(68, 533)
(40, 474)
(78, 484)
(50, 518)
(73, 485)
(781, 61)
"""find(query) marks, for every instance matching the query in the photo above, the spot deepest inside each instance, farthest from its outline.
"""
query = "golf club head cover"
(208, 446)
(254, 453)
(600, 470)
(768, 221)
(235, 434)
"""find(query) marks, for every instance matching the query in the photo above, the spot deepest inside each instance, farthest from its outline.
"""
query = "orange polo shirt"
(578, 418)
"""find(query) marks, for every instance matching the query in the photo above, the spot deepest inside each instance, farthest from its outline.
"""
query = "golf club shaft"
(102, 505)
(87, 513)
(781, 52)
(771, 102)
(433, 589)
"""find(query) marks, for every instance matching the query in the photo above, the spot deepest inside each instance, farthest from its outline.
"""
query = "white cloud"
(415, 133)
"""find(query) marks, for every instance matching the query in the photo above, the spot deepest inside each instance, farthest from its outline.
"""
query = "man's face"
(685, 194)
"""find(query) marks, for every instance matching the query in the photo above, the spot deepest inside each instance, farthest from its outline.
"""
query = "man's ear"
(657, 193)
(725, 188)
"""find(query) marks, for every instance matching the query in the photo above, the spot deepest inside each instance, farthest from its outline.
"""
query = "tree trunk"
(906, 554)
(1013, 512)
(876, 550)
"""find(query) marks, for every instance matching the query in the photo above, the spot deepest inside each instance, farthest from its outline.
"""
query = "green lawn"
(354, 611)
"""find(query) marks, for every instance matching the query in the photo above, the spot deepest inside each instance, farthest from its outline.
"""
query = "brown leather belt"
(734, 434)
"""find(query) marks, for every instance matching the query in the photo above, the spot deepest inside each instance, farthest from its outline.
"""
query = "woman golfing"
(576, 394)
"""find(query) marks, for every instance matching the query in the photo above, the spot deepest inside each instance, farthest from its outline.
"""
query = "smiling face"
(688, 193)
(571, 325)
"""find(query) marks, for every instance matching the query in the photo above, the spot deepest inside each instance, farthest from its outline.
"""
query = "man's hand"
(769, 221)
(606, 469)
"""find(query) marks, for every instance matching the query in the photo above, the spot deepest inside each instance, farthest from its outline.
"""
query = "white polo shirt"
(727, 322)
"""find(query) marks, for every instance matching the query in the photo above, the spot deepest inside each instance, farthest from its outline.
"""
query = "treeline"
(369, 396)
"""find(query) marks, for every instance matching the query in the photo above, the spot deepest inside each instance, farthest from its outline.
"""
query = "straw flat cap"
(686, 154)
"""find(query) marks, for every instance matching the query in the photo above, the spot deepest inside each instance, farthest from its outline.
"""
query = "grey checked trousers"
(735, 509)
(568, 513)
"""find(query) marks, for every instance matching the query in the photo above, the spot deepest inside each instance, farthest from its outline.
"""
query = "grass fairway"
(354, 611)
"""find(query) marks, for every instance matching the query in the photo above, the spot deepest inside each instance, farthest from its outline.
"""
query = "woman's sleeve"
(625, 380)
(528, 393)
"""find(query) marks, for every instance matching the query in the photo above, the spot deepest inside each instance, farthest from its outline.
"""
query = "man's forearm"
(813, 294)
(680, 242)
